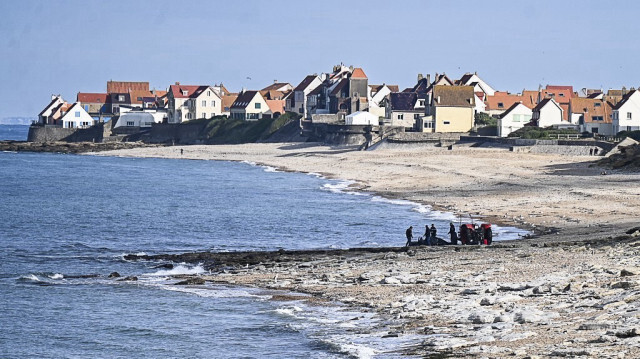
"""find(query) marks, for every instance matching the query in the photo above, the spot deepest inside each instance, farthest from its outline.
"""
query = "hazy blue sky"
(69, 46)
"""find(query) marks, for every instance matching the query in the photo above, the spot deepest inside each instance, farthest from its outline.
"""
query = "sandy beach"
(573, 292)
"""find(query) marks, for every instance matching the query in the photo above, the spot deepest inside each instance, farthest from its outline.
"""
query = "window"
(597, 118)
(213, 103)
(204, 103)
(77, 113)
(516, 118)
(213, 114)
(86, 108)
(120, 98)
(400, 116)
(130, 123)
(500, 105)
(208, 93)
(594, 130)
(204, 115)
(257, 105)
(185, 92)
(628, 115)
(561, 94)
(188, 116)
(421, 103)
(416, 116)
(139, 98)
(446, 123)
(597, 104)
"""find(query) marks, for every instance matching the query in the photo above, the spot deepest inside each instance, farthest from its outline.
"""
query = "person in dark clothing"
(452, 233)
(434, 232)
(427, 235)
(409, 234)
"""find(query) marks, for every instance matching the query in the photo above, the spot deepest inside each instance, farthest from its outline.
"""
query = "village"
(344, 97)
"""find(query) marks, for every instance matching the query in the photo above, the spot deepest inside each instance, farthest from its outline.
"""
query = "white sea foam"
(31, 277)
(270, 169)
(249, 163)
(177, 270)
(289, 311)
(56, 276)
(343, 188)
(210, 292)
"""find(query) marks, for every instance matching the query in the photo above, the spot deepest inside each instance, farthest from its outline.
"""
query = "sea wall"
(185, 133)
(566, 147)
(43, 134)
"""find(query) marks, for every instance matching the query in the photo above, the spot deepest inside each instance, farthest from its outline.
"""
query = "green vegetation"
(633, 134)
(221, 129)
(532, 132)
(484, 119)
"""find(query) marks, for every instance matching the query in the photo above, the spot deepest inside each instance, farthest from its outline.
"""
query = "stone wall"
(43, 134)
(185, 133)
(568, 147)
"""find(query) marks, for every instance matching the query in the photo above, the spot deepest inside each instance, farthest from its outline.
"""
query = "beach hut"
(361, 118)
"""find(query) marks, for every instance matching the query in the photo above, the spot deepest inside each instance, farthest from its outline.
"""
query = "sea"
(67, 221)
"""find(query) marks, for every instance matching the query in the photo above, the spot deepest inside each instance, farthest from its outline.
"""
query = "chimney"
(275, 81)
(437, 77)
(419, 77)
(351, 68)
(177, 83)
(428, 79)
(624, 90)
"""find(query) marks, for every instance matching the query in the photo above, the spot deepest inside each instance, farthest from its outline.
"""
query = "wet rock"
(470, 291)
(594, 326)
(488, 301)
(622, 285)
(570, 353)
(128, 279)
(192, 281)
(114, 275)
(164, 266)
(627, 333)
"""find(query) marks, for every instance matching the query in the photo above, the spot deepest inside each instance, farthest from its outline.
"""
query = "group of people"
(430, 236)
(469, 234)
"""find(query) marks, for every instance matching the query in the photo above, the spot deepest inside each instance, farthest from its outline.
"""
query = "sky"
(66, 47)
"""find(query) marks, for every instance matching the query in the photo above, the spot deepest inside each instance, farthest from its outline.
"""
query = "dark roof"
(421, 86)
(193, 91)
(403, 101)
(377, 88)
(305, 83)
(275, 86)
(502, 115)
(47, 107)
(453, 96)
(595, 95)
(464, 79)
(317, 90)
(624, 100)
(339, 86)
(115, 98)
(541, 104)
(243, 99)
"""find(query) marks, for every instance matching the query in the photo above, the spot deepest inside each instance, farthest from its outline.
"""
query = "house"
(548, 113)
(378, 93)
(143, 118)
(402, 108)
(297, 101)
(343, 92)
(250, 106)
(117, 100)
(452, 108)
(189, 102)
(472, 79)
(626, 114)
(500, 101)
(76, 117)
(514, 118)
(96, 105)
(227, 101)
(592, 115)
(51, 113)
(562, 96)
(276, 107)
(361, 118)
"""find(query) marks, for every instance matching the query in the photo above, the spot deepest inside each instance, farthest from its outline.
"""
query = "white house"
(376, 96)
(144, 118)
(44, 117)
(188, 102)
(77, 117)
(548, 113)
(250, 106)
(298, 101)
(362, 118)
(626, 114)
(514, 118)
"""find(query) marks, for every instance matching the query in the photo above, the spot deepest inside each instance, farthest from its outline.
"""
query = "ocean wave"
(56, 276)
(250, 163)
(270, 169)
(210, 292)
(342, 187)
(177, 270)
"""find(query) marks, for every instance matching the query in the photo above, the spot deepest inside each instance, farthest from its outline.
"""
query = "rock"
(527, 317)
(488, 301)
(128, 279)
(571, 353)
(481, 317)
(594, 326)
(114, 275)
(627, 333)
(622, 285)
(513, 287)
(626, 273)
(390, 255)
(541, 289)
(470, 291)
(390, 280)
(164, 266)
(192, 281)
(503, 318)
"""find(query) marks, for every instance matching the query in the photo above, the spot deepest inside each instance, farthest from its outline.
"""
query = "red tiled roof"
(590, 108)
(276, 106)
(358, 73)
(88, 97)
